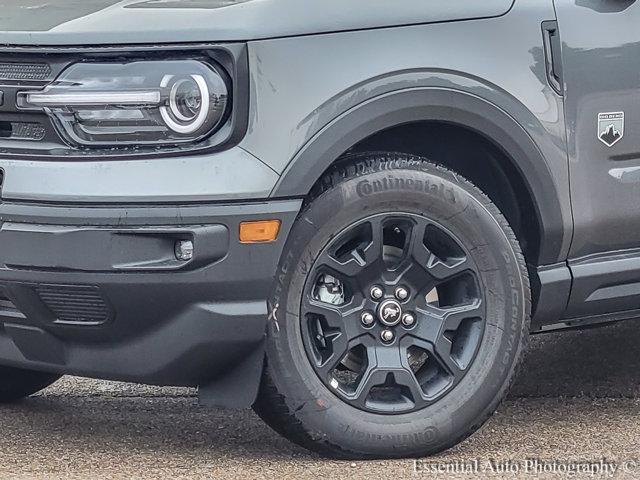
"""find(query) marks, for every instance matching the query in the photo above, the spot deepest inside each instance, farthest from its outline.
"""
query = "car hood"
(100, 22)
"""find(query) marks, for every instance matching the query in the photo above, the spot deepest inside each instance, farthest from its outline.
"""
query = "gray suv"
(347, 214)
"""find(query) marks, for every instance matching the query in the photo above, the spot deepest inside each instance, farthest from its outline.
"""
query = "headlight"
(135, 103)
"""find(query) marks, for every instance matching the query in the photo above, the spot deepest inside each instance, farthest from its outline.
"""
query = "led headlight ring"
(172, 115)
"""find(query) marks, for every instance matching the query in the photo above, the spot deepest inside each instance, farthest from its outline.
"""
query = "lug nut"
(376, 293)
(402, 293)
(387, 336)
(408, 320)
(367, 319)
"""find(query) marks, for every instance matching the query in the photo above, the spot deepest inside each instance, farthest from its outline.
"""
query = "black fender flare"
(443, 105)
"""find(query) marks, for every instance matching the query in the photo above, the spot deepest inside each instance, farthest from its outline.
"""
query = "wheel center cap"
(390, 313)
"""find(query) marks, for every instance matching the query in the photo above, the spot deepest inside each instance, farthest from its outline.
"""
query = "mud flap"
(238, 388)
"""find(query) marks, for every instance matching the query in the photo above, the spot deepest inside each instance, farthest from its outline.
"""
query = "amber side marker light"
(261, 231)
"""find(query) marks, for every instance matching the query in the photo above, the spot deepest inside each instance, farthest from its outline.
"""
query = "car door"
(601, 71)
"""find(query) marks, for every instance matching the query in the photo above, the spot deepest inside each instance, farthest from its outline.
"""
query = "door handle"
(552, 55)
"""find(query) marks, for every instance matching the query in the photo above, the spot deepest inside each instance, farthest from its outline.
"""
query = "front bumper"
(97, 291)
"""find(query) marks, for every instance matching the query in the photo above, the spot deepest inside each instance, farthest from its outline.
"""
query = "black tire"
(294, 400)
(16, 384)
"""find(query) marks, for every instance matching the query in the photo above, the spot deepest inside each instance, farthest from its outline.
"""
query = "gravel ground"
(577, 400)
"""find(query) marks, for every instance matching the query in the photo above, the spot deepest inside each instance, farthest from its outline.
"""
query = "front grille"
(26, 131)
(22, 130)
(24, 71)
(75, 305)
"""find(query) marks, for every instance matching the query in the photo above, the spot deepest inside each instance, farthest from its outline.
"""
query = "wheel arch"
(445, 105)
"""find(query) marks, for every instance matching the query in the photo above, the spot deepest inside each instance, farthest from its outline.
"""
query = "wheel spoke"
(327, 366)
(442, 349)
(349, 267)
(453, 317)
(353, 262)
(387, 368)
(412, 271)
(372, 376)
(418, 251)
(422, 256)
(341, 318)
(374, 250)
(434, 322)
(444, 270)
(415, 277)
(407, 379)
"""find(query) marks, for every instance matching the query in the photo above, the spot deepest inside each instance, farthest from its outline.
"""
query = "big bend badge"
(610, 127)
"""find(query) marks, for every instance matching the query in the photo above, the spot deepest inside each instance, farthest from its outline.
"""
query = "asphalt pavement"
(574, 413)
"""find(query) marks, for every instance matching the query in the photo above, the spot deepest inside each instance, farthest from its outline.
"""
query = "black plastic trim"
(551, 285)
(443, 105)
(187, 327)
(605, 283)
(553, 59)
(590, 321)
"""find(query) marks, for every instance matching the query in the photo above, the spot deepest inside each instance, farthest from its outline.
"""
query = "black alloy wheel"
(392, 313)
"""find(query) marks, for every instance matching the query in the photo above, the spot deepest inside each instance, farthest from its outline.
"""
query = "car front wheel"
(399, 315)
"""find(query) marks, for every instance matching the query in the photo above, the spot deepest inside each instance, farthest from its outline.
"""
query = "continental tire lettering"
(365, 188)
